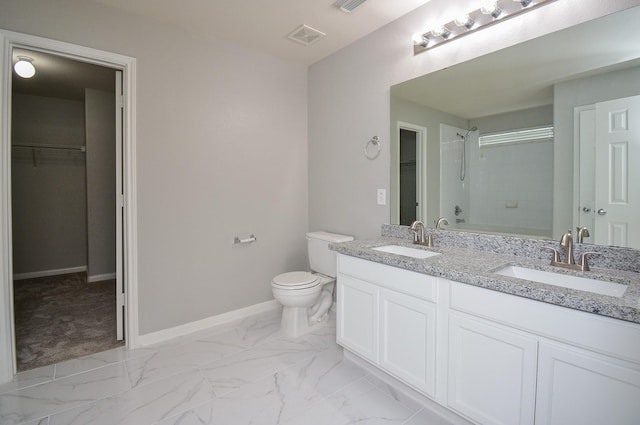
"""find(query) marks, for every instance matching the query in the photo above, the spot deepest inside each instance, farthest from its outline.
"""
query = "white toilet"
(307, 297)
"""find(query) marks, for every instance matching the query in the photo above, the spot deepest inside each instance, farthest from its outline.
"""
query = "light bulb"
(491, 8)
(464, 21)
(420, 39)
(24, 67)
(441, 31)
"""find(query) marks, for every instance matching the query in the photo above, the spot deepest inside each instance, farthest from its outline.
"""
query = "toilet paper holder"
(251, 238)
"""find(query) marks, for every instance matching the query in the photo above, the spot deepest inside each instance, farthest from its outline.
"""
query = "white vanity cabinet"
(580, 387)
(492, 371)
(499, 359)
(408, 339)
(357, 327)
(387, 316)
(571, 367)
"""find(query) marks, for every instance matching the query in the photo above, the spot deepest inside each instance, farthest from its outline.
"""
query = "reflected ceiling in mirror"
(516, 80)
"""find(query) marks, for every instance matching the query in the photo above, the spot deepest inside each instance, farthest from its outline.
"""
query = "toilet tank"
(321, 258)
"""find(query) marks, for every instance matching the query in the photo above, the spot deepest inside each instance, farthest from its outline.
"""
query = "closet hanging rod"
(53, 147)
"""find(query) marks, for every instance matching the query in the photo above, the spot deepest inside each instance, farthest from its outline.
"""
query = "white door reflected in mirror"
(608, 145)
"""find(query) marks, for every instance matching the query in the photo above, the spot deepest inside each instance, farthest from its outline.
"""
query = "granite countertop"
(477, 268)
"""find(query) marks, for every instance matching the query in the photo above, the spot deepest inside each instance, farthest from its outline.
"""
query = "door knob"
(602, 211)
(586, 209)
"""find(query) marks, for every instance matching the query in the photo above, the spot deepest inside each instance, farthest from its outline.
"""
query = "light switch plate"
(382, 197)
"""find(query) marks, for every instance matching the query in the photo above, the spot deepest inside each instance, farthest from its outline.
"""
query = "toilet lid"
(296, 280)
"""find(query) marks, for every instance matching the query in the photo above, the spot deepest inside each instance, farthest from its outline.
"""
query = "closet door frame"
(8, 41)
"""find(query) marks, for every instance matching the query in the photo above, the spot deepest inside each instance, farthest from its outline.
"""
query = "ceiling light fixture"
(491, 12)
(24, 67)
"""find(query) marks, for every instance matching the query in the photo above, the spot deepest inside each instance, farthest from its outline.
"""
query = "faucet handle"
(556, 254)
(584, 265)
(430, 240)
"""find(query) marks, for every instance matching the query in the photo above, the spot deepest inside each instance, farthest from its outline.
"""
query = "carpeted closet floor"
(62, 317)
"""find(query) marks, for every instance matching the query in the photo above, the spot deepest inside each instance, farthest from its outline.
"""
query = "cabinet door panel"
(492, 372)
(357, 317)
(407, 339)
(579, 387)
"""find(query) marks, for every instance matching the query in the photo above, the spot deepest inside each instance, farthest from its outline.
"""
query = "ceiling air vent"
(348, 5)
(306, 35)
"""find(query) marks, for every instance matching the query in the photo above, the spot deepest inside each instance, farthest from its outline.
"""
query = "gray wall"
(101, 184)
(349, 100)
(567, 96)
(48, 200)
(220, 154)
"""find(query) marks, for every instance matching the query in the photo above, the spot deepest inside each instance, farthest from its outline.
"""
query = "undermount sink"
(406, 251)
(573, 282)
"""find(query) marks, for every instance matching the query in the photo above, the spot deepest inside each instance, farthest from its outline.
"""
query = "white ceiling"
(265, 24)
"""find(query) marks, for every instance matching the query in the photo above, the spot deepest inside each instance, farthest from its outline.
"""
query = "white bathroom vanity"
(490, 356)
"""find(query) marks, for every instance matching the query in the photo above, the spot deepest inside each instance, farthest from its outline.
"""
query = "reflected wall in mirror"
(584, 82)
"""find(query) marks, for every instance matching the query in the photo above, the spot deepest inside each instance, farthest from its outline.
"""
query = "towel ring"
(372, 148)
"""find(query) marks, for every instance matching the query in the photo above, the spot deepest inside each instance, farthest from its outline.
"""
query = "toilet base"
(295, 322)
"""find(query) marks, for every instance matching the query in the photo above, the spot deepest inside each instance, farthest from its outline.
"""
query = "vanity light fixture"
(489, 13)
(24, 67)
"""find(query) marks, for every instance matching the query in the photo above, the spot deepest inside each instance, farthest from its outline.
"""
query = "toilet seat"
(295, 280)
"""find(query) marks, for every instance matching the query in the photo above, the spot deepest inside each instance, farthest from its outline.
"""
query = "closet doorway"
(66, 186)
(409, 168)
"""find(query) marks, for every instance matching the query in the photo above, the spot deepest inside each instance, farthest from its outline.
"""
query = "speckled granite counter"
(475, 265)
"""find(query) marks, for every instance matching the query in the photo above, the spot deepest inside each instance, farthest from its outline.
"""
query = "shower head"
(474, 128)
(467, 133)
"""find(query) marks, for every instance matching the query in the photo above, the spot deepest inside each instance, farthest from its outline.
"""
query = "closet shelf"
(51, 147)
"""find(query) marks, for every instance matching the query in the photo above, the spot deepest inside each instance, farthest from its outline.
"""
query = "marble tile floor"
(240, 373)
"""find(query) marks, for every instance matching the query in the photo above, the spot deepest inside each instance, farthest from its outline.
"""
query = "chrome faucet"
(420, 238)
(439, 222)
(582, 233)
(566, 241)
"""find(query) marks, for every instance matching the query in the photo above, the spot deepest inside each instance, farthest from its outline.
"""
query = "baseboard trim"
(204, 324)
(45, 273)
(101, 277)
(426, 402)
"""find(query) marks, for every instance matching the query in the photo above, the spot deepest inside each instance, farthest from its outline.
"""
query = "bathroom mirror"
(537, 188)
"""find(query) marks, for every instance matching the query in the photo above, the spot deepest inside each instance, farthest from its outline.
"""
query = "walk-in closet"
(63, 204)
